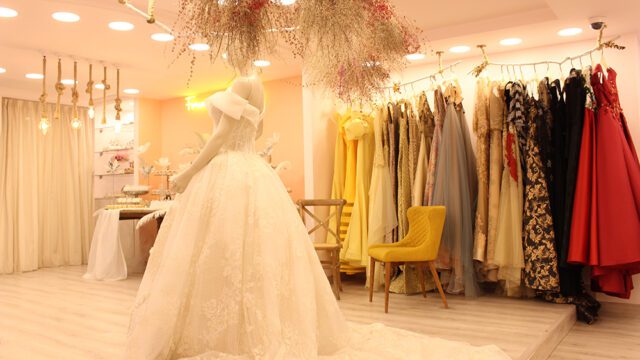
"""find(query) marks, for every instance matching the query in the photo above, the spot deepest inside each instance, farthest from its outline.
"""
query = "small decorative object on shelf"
(112, 165)
(135, 190)
(165, 193)
(164, 163)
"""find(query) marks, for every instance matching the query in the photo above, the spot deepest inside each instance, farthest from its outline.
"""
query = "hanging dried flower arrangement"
(348, 46)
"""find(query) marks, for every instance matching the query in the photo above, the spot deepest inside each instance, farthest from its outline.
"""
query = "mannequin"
(248, 88)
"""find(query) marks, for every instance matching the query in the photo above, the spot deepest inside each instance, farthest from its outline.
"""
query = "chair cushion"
(391, 253)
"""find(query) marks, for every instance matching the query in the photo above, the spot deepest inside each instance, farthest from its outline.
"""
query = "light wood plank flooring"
(55, 314)
(616, 335)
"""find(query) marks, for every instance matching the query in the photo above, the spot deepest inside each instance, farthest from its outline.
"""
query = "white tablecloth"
(106, 259)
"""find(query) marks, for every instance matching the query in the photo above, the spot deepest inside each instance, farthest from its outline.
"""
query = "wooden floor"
(55, 314)
(616, 335)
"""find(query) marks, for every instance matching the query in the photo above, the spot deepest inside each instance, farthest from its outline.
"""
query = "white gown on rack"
(233, 274)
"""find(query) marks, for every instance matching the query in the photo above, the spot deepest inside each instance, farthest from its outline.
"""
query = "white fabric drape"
(46, 188)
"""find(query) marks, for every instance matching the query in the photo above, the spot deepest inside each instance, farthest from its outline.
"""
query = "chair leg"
(335, 266)
(436, 278)
(372, 274)
(387, 284)
(423, 285)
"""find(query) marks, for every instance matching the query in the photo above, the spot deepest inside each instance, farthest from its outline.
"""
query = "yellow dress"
(358, 130)
(339, 172)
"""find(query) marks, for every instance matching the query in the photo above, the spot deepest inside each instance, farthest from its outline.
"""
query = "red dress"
(605, 229)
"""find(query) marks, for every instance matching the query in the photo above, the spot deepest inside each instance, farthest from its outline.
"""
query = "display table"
(106, 257)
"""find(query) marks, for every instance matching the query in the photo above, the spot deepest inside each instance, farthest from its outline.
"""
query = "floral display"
(348, 46)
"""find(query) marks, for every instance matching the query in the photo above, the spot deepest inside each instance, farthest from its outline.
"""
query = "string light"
(118, 106)
(89, 90)
(75, 119)
(59, 90)
(105, 87)
(44, 121)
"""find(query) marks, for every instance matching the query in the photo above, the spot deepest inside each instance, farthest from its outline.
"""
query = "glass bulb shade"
(91, 112)
(44, 125)
(76, 123)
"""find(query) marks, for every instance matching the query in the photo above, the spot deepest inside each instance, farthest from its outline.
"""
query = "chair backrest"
(334, 206)
(425, 229)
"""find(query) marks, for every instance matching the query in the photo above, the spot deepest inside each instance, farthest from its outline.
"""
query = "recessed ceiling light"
(460, 49)
(262, 63)
(287, 2)
(34, 76)
(121, 26)
(99, 86)
(511, 42)
(199, 47)
(415, 57)
(64, 16)
(162, 37)
(131, 91)
(67, 81)
(2, 70)
(573, 31)
(7, 13)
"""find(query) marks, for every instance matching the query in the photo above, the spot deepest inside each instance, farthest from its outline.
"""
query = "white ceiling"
(150, 66)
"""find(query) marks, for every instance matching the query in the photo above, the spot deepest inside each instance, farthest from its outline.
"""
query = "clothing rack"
(611, 44)
(396, 87)
(149, 17)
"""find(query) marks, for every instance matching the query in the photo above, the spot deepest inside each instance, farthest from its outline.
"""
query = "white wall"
(626, 63)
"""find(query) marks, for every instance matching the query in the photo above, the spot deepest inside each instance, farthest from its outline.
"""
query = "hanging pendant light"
(75, 119)
(44, 121)
(118, 106)
(89, 90)
(105, 87)
(59, 90)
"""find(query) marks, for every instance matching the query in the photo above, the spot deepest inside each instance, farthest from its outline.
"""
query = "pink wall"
(283, 115)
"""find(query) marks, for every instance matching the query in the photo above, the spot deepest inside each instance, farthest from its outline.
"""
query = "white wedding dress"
(233, 274)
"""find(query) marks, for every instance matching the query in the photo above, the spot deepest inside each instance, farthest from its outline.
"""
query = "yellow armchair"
(419, 247)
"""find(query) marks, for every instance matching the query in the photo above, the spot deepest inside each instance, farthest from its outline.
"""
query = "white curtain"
(46, 188)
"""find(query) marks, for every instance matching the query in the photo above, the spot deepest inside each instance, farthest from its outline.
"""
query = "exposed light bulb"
(44, 125)
(76, 124)
(91, 112)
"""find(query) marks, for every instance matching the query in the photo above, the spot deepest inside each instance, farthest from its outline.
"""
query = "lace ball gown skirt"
(233, 275)
(234, 271)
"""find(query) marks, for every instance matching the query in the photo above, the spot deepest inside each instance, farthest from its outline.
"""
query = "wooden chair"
(419, 247)
(331, 249)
